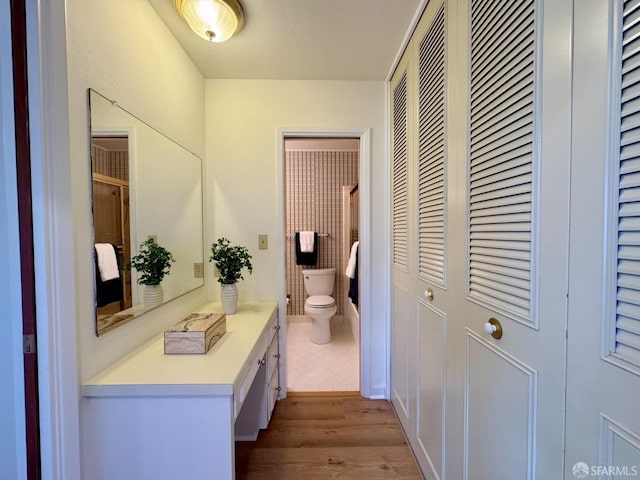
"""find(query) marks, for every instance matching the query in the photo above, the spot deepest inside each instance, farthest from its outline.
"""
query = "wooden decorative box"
(196, 333)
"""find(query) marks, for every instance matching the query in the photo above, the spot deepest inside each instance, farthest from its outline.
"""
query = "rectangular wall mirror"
(145, 186)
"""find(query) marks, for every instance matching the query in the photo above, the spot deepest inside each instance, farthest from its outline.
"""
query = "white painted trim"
(364, 134)
(407, 37)
(387, 222)
(53, 240)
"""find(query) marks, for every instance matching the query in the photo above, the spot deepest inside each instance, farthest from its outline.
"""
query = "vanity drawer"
(273, 356)
(273, 389)
(273, 328)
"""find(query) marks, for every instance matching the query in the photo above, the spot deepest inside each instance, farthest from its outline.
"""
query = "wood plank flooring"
(314, 438)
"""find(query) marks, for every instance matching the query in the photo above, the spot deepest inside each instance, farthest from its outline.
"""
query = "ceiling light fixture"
(213, 20)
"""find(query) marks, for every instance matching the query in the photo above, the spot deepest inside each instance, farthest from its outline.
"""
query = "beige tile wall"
(313, 191)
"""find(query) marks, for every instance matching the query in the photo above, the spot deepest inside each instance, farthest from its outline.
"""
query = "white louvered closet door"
(512, 211)
(431, 297)
(403, 385)
(603, 361)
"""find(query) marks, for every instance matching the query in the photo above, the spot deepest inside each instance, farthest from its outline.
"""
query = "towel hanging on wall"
(351, 264)
(353, 281)
(107, 291)
(307, 258)
(107, 261)
(307, 241)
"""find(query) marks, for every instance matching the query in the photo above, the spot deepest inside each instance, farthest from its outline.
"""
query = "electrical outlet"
(198, 270)
(153, 237)
(263, 241)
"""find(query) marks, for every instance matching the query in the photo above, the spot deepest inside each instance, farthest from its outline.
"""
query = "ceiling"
(302, 39)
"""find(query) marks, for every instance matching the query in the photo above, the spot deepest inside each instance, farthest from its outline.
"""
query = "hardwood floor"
(341, 437)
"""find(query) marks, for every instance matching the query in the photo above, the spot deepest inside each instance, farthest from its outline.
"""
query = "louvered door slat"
(499, 153)
(628, 325)
(515, 265)
(509, 283)
(399, 161)
(626, 343)
(515, 273)
(501, 160)
(628, 253)
(519, 126)
(431, 144)
(503, 297)
(509, 237)
(491, 75)
(504, 179)
(504, 254)
(434, 184)
(502, 31)
(502, 245)
(502, 117)
(630, 267)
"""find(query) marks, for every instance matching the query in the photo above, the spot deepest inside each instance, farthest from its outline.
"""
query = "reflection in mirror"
(144, 186)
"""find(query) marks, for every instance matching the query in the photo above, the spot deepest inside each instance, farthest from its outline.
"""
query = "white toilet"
(320, 305)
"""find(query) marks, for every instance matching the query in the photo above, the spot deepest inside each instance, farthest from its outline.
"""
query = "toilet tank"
(319, 281)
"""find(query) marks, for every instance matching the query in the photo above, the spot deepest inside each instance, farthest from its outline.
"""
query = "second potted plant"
(229, 260)
(152, 263)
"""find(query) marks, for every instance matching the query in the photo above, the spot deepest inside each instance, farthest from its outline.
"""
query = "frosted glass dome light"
(213, 20)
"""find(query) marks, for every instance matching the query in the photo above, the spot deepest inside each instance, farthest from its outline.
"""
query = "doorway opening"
(321, 195)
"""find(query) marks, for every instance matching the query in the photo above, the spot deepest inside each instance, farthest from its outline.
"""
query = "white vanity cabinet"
(156, 416)
(257, 408)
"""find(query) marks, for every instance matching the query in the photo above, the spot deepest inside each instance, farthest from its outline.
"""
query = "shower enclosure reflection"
(110, 183)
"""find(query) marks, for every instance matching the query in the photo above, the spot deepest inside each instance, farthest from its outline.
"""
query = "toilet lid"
(320, 301)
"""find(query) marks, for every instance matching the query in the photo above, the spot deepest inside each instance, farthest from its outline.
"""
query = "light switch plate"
(198, 270)
(263, 241)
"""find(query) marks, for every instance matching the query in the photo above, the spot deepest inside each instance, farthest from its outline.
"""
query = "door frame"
(53, 238)
(364, 254)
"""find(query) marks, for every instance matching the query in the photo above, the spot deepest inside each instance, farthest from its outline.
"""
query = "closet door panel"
(400, 359)
(512, 211)
(603, 424)
(429, 283)
(431, 364)
(499, 391)
(403, 337)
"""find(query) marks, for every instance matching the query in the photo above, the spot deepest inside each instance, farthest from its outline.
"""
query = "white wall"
(12, 439)
(123, 50)
(242, 117)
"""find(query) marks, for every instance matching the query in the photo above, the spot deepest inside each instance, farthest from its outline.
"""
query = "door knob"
(428, 293)
(493, 328)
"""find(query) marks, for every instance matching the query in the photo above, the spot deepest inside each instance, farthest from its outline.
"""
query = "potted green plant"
(229, 260)
(152, 263)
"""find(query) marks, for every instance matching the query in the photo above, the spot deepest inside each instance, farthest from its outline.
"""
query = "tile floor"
(333, 367)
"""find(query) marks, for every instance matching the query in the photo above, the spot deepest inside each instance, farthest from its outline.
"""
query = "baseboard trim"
(324, 394)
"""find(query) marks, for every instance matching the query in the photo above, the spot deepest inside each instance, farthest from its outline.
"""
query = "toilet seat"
(320, 301)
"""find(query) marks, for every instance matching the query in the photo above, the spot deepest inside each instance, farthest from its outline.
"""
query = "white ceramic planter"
(229, 298)
(153, 296)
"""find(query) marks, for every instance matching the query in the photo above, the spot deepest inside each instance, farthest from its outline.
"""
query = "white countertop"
(148, 371)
